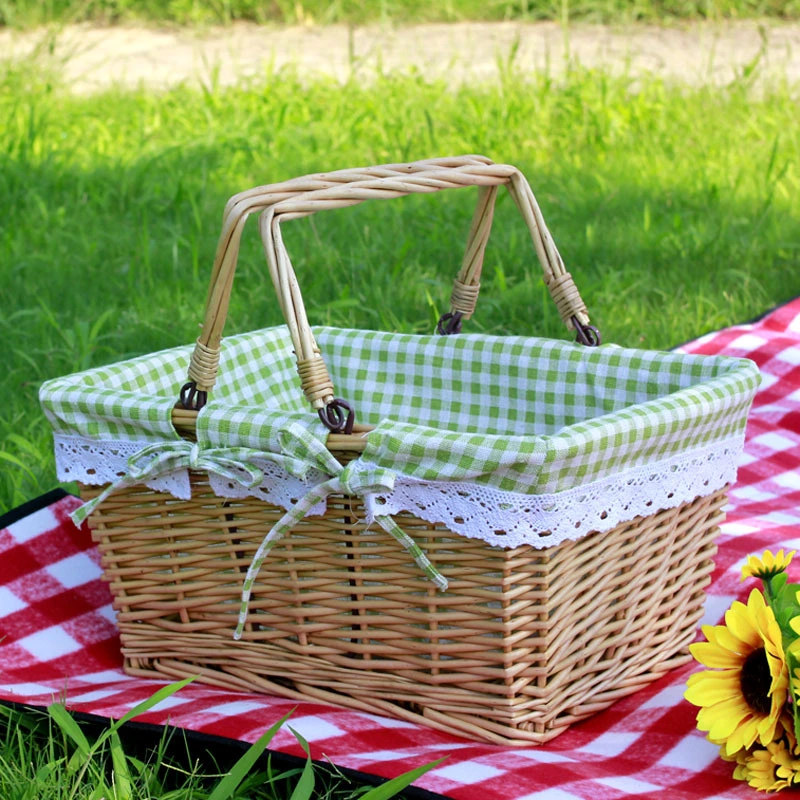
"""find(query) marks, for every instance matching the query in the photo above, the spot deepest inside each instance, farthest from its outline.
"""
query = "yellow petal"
(713, 675)
(741, 619)
(766, 729)
(744, 735)
(723, 638)
(710, 654)
(767, 565)
(722, 719)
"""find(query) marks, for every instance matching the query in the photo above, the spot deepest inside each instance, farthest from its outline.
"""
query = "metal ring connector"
(586, 335)
(338, 416)
(449, 323)
(191, 399)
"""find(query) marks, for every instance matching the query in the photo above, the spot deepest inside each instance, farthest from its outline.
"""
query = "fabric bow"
(163, 458)
(356, 479)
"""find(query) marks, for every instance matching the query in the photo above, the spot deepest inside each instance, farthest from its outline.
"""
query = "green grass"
(29, 13)
(49, 755)
(675, 209)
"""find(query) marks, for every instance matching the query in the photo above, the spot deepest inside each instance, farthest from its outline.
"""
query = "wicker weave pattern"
(523, 644)
(525, 641)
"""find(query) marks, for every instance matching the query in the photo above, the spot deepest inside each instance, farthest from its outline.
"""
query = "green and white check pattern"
(132, 400)
(531, 415)
(520, 414)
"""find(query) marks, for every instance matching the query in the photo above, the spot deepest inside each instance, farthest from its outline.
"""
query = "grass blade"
(304, 790)
(396, 785)
(121, 781)
(17, 463)
(146, 705)
(79, 763)
(62, 718)
(228, 785)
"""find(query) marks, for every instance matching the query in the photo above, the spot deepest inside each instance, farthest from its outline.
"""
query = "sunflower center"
(756, 681)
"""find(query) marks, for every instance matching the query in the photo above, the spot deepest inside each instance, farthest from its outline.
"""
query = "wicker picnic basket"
(266, 548)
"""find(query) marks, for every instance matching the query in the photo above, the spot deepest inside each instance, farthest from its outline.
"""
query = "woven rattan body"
(523, 644)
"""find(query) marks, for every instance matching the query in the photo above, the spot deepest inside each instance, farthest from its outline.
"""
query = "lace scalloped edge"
(509, 519)
(504, 519)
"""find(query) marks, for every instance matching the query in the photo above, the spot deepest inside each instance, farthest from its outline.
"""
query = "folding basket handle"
(304, 196)
(205, 358)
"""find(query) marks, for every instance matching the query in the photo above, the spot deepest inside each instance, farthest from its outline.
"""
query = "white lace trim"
(279, 488)
(99, 462)
(505, 519)
(510, 519)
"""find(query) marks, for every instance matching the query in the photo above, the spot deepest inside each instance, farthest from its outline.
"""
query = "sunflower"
(767, 566)
(742, 696)
(762, 766)
(787, 761)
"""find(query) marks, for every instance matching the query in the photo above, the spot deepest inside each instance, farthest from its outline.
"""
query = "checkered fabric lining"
(133, 400)
(446, 408)
(59, 639)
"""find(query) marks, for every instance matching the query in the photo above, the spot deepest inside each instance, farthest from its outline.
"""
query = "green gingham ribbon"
(163, 458)
(355, 479)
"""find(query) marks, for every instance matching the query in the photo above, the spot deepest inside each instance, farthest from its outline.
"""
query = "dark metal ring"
(449, 323)
(337, 416)
(586, 335)
(191, 399)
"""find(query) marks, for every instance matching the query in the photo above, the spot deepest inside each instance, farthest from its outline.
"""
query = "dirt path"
(92, 58)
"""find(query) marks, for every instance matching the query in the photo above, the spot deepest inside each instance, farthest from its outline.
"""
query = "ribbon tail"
(278, 531)
(232, 470)
(79, 515)
(421, 560)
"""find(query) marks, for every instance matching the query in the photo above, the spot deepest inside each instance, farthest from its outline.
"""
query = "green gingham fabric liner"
(531, 415)
(133, 400)
(521, 414)
(127, 401)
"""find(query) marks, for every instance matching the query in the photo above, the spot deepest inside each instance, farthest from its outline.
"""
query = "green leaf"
(304, 789)
(792, 664)
(396, 785)
(779, 581)
(122, 782)
(146, 705)
(62, 718)
(786, 607)
(228, 785)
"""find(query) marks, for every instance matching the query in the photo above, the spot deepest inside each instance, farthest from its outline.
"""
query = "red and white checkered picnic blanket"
(60, 641)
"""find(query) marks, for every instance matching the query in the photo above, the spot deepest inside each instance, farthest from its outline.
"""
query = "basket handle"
(205, 358)
(302, 197)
